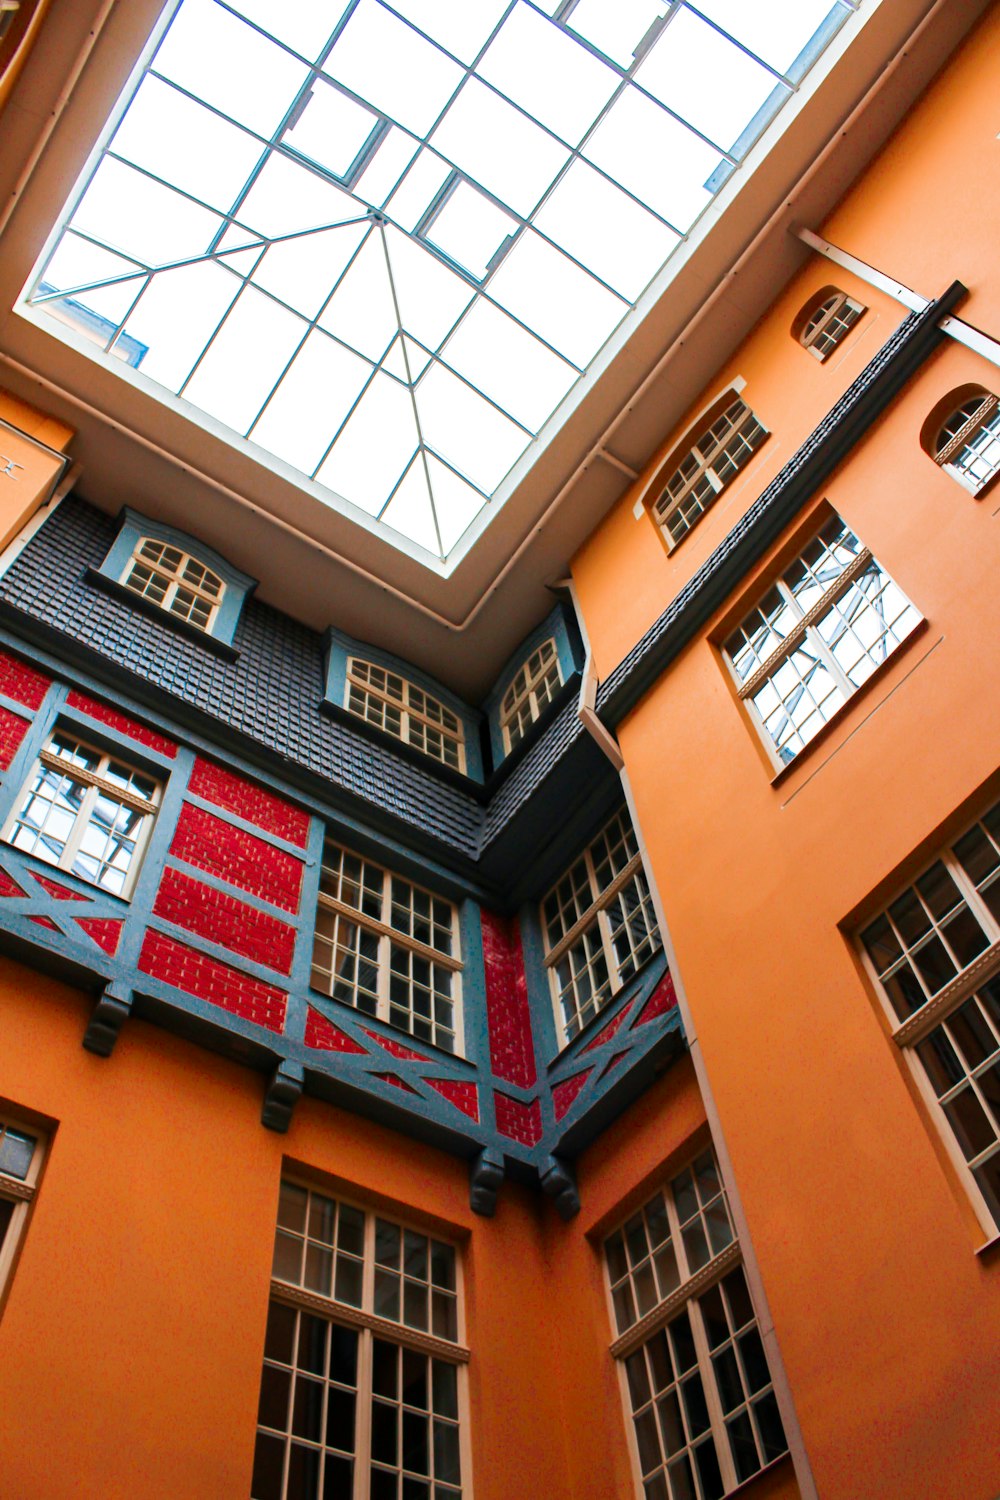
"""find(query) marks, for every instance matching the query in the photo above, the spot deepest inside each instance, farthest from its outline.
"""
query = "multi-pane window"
(362, 1388)
(534, 687)
(21, 1152)
(968, 441)
(86, 811)
(695, 1376)
(935, 952)
(829, 322)
(174, 580)
(390, 702)
(815, 636)
(712, 462)
(387, 947)
(599, 926)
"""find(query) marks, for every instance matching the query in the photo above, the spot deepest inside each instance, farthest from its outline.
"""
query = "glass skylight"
(382, 241)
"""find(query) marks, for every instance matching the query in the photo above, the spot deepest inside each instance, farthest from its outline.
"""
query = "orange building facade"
(734, 1217)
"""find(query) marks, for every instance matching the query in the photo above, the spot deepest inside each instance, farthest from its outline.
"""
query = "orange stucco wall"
(132, 1337)
(886, 1316)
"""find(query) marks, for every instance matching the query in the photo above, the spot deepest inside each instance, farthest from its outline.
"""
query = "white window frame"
(173, 582)
(418, 726)
(595, 920)
(982, 415)
(941, 1005)
(806, 634)
(692, 1284)
(19, 1191)
(95, 786)
(369, 1326)
(829, 322)
(535, 683)
(388, 937)
(682, 500)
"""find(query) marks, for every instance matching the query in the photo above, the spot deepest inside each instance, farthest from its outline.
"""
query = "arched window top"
(826, 320)
(717, 447)
(534, 686)
(392, 703)
(175, 580)
(962, 435)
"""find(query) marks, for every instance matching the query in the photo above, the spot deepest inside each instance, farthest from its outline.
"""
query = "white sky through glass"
(382, 241)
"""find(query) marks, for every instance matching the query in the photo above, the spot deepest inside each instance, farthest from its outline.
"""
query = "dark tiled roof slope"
(529, 774)
(808, 468)
(271, 694)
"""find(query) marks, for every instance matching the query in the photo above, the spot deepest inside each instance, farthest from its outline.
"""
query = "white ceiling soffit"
(439, 353)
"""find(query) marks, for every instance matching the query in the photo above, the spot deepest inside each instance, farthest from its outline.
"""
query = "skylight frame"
(376, 222)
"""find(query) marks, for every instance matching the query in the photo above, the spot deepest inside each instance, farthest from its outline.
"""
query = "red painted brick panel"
(12, 731)
(9, 886)
(565, 1093)
(224, 919)
(396, 1048)
(249, 801)
(60, 892)
(464, 1096)
(197, 974)
(105, 931)
(22, 683)
(48, 922)
(612, 1028)
(105, 714)
(663, 999)
(237, 857)
(397, 1082)
(325, 1037)
(518, 1122)
(512, 1050)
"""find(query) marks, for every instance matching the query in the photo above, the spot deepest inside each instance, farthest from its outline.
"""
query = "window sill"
(829, 728)
(173, 622)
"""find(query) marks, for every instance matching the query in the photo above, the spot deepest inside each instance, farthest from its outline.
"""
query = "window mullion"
(363, 1406)
(80, 824)
(973, 897)
(830, 662)
(716, 1416)
(604, 928)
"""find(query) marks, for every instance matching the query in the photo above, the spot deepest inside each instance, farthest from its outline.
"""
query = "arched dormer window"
(175, 580)
(534, 686)
(962, 435)
(401, 708)
(720, 445)
(825, 320)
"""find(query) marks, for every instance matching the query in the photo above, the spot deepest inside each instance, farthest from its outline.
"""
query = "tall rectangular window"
(695, 1378)
(815, 636)
(387, 947)
(362, 1393)
(22, 1150)
(934, 953)
(86, 811)
(599, 926)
